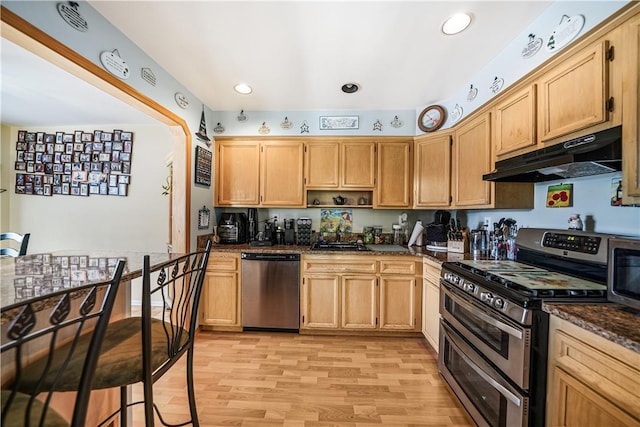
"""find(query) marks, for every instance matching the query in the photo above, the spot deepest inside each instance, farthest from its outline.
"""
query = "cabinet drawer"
(221, 261)
(614, 378)
(397, 266)
(338, 265)
(431, 271)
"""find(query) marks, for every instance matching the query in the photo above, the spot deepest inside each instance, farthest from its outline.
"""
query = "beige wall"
(137, 222)
(5, 172)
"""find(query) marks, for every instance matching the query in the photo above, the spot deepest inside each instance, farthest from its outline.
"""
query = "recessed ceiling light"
(350, 87)
(243, 88)
(456, 23)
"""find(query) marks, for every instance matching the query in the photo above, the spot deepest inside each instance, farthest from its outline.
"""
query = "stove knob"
(485, 296)
(498, 303)
(469, 287)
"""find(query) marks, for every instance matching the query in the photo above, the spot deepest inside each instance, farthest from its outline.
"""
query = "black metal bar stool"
(68, 343)
(142, 349)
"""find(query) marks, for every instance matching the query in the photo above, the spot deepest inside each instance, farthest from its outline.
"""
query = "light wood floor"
(285, 379)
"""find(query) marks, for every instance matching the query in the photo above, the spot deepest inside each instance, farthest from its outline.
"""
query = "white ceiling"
(295, 54)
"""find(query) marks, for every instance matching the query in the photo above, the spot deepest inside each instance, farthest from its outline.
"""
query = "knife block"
(459, 246)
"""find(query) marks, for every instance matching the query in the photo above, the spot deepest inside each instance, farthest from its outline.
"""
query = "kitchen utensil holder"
(459, 246)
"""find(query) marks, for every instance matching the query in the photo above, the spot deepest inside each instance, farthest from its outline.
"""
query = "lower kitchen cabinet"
(431, 302)
(591, 381)
(220, 305)
(359, 293)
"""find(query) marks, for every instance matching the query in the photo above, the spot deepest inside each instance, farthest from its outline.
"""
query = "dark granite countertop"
(614, 322)
(418, 251)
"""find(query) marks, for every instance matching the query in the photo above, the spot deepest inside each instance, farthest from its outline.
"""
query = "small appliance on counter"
(289, 232)
(436, 232)
(232, 227)
(623, 275)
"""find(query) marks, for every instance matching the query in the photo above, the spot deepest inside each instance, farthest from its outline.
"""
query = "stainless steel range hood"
(592, 154)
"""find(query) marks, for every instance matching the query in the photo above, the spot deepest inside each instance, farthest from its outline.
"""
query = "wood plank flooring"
(291, 380)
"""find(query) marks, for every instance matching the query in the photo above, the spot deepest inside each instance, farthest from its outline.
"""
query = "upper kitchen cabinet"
(515, 123)
(394, 174)
(250, 172)
(281, 174)
(631, 112)
(237, 174)
(432, 171)
(471, 160)
(472, 157)
(340, 164)
(322, 164)
(357, 164)
(574, 94)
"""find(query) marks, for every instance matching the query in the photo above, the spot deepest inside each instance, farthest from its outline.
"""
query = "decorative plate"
(181, 100)
(431, 118)
(456, 114)
(567, 30)
(473, 92)
(532, 47)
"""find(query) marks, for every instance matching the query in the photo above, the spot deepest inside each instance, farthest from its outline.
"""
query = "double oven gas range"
(493, 332)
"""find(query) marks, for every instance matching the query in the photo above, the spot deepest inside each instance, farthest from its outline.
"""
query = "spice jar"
(377, 234)
(368, 235)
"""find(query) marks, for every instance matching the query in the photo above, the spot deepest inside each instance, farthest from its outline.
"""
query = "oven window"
(497, 339)
(487, 400)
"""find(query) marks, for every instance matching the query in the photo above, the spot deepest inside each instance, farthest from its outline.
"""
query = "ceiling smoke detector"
(350, 88)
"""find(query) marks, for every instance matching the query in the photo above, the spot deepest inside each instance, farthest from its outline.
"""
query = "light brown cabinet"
(250, 172)
(339, 164)
(574, 95)
(432, 171)
(394, 174)
(431, 302)
(591, 381)
(471, 160)
(237, 173)
(281, 174)
(631, 112)
(358, 293)
(220, 304)
(515, 123)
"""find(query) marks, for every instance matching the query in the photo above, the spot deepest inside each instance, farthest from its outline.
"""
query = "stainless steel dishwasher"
(270, 291)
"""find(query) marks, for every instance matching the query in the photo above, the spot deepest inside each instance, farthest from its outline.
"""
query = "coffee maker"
(436, 231)
(232, 227)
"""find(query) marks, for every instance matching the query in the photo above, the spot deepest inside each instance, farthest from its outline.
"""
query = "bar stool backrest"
(19, 240)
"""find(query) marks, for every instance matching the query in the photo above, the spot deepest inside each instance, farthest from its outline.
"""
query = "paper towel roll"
(416, 235)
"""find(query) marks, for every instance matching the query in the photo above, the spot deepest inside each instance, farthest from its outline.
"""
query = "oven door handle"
(495, 384)
(479, 312)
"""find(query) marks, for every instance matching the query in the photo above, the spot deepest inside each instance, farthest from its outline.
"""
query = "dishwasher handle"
(261, 256)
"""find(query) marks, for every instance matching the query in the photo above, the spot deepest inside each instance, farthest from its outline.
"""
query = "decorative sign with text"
(203, 166)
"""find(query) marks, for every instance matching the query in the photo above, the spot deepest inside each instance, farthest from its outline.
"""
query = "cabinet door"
(515, 120)
(631, 113)
(573, 95)
(471, 160)
(359, 302)
(320, 302)
(398, 303)
(432, 314)
(221, 291)
(393, 186)
(322, 164)
(237, 173)
(432, 177)
(281, 182)
(578, 405)
(358, 160)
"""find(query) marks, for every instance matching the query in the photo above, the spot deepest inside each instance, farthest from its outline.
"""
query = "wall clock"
(431, 118)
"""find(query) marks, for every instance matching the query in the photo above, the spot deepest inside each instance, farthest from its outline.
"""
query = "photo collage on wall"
(77, 164)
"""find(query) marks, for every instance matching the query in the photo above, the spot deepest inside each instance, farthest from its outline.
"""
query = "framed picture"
(126, 136)
(339, 122)
(22, 135)
(50, 138)
(431, 118)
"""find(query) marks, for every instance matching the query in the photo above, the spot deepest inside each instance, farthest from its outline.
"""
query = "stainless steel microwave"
(623, 281)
